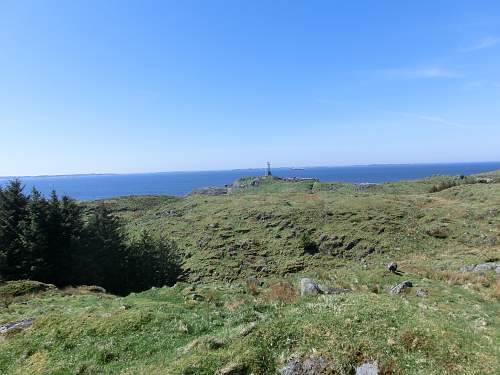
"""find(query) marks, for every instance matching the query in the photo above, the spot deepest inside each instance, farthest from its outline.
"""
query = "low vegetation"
(238, 309)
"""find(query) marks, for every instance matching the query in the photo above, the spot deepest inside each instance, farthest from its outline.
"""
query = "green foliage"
(150, 262)
(308, 245)
(49, 241)
(12, 213)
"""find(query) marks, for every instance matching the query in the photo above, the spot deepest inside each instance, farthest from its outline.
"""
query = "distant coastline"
(252, 169)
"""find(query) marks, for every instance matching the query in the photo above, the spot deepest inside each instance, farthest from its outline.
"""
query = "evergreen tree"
(103, 256)
(150, 262)
(67, 241)
(12, 213)
(34, 239)
(47, 240)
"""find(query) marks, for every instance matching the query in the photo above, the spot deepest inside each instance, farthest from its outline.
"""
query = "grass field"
(342, 235)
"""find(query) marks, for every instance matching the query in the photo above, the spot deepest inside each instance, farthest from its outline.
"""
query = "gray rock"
(422, 293)
(18, 324)
(486, 267)
(309, 286)
(485, 180)
(468, 268)
(368, 368)
(497, 270)
(312, 365)
(393, 266)
(480, 267)
(401, 287)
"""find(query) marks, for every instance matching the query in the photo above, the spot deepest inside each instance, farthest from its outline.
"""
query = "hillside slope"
(218, 321)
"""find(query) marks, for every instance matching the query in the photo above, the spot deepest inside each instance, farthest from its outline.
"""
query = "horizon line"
(239, 169)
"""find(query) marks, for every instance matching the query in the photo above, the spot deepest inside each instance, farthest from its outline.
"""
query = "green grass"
(257, 231)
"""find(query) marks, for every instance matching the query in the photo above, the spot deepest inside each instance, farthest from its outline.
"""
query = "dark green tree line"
(54, 241)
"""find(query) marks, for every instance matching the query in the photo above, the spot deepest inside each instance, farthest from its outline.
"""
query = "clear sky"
(117, 86)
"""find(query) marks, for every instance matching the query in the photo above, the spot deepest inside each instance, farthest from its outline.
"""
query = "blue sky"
(117, 86)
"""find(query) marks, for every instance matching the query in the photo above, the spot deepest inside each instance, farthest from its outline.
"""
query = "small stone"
(182, 327)
(422, 293)
(368, 368)
(393, 266)
(401, 287)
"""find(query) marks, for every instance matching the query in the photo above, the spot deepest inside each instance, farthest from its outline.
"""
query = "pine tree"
(12, 213)
(71, 241)
(150, 262)
(34, 238)
(103, 257)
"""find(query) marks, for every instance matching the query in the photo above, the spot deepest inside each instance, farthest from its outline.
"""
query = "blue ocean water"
(88, 187)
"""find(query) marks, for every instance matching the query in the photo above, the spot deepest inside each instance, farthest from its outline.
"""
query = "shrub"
(308, 245)
(442, 186)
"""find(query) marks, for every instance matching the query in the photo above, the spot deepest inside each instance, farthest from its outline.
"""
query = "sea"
(100, 186)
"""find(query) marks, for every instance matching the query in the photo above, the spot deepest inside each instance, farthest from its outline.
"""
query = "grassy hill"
(342, 235)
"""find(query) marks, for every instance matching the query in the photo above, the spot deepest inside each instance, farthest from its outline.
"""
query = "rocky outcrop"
(18, 324)
(481, 267)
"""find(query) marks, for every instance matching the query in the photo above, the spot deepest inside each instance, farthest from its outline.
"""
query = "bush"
(442, 186)
(308, 245)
